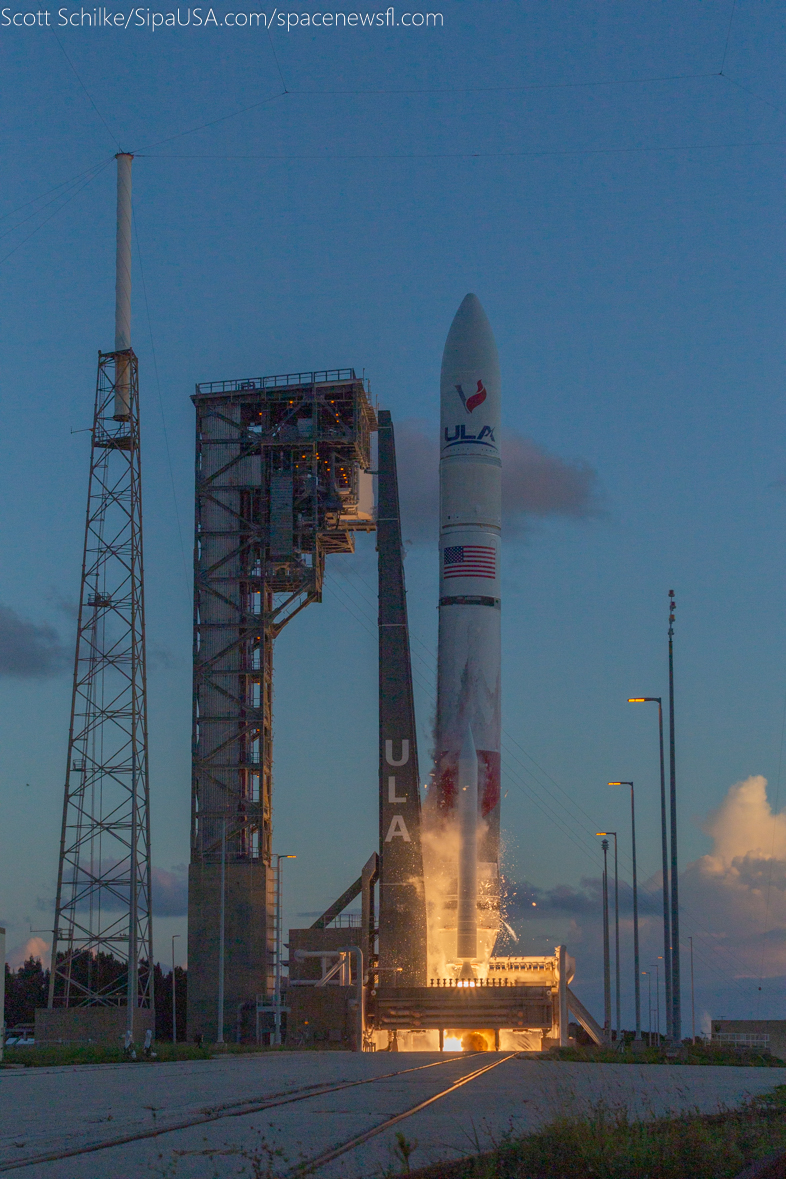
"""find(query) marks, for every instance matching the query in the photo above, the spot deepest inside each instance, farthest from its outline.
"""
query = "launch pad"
(282, 480)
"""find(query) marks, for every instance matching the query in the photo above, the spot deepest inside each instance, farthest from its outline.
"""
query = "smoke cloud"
(29, 650)
(535, 483)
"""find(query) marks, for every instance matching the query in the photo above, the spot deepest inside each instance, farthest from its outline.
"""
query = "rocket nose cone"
(470, 341)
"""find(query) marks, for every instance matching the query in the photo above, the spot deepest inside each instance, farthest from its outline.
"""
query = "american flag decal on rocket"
(469, 560)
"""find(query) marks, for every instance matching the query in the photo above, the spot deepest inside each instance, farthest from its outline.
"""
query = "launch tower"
(281, 482)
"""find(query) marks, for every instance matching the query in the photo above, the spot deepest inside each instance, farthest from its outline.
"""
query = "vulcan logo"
(475, 400)
(460, 436)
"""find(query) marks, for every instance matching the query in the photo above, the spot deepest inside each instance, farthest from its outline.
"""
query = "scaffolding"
(102, 937)
(282, 481)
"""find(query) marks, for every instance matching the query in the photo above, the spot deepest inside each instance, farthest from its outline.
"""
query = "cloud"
(34, 947)
(160, 658)
(744, 826)
(525, 900)
(733, 906)
(535, 483)
(170, 891)
(29, 650)
(740, 886)
(67, 606)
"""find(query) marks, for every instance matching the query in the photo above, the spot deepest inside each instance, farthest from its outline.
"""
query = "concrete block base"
(90, 1025)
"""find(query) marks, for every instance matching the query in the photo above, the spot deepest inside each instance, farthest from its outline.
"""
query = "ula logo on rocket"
(475, 400)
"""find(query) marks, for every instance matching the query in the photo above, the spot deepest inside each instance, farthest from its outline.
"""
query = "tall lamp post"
(692, 996)
(221, 932)
(277, 995)
(616, 930)
(636, 967)
(676, 997)
(657, 998)
(606, 969)
(174, 992)
(649, 1006)
(664, 855)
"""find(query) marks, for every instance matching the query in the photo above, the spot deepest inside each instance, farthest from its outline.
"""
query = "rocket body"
(468, 679)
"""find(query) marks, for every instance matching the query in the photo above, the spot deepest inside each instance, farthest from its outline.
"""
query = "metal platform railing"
(329, 376)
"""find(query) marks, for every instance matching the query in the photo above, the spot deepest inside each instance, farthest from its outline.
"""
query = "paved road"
(45, 1111)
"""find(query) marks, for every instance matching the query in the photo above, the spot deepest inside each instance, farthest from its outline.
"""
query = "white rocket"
(468, 687)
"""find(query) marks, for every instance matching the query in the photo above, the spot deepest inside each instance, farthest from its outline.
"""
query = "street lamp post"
(277, 994)
(657, 998)
(606, 969)
(616, 930)
(667, 930)
(636, 966)
(221, 932)
(692, 996)
(676, 994)
(649, 1006)
(174, 989)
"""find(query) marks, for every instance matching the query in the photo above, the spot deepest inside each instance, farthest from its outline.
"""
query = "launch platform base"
(461, 1007)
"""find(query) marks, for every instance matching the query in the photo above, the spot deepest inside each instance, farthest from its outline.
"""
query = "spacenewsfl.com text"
(208, 18)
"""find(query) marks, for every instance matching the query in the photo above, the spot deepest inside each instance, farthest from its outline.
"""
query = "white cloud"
(34, 947)
(739, 888)
(743, 826)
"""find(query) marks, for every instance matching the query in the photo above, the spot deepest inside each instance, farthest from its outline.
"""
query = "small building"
(322, 990)
(762, 1035)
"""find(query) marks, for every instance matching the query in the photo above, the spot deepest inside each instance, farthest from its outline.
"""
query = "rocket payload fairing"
(468, 679)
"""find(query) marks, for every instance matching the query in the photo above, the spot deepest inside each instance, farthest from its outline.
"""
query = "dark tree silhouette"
(25, 989)
(28, 988)
(163, 993)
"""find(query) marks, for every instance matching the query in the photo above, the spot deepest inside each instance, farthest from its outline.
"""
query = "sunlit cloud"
(34, 947)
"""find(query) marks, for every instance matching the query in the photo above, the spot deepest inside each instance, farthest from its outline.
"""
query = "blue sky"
(616, 203)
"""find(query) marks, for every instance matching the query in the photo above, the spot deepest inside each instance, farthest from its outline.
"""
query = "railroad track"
(321, 1160)
(241, 1109)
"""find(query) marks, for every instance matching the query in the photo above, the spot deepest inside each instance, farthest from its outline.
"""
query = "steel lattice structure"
(103, 886)
(281, 468)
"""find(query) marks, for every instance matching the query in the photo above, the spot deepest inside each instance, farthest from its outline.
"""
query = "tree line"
(28, 988)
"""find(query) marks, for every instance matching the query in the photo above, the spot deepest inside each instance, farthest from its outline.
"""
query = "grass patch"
(71, 1054)
(607, 1144)
(686, 1054)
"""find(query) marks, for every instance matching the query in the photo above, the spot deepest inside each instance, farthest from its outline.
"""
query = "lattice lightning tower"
(103, 887)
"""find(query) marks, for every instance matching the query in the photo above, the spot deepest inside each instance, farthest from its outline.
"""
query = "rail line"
(244, 1108)
(321, 1160)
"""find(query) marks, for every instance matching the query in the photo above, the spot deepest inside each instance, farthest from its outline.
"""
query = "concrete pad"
(43, 1110)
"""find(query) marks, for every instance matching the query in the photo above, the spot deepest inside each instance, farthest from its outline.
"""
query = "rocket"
(468, 675)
